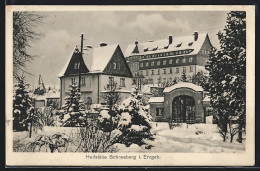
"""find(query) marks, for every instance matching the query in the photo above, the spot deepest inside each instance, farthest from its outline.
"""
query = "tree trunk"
(30, 131)
(240, 136)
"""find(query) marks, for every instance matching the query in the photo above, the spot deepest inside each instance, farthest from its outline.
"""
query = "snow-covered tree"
(21, 103)
(199, 79)
(183, 77)
(130, 122)
(34, 120)
(110, 95)
(73, 112)
(227, 72)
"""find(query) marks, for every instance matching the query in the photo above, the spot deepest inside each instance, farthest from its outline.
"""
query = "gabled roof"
(99, 57)
(178, 43)
(95, 59)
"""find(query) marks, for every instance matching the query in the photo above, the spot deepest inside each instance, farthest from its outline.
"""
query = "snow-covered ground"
(197, 138)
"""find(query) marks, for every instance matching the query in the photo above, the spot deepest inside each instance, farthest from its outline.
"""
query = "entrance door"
(183, 109)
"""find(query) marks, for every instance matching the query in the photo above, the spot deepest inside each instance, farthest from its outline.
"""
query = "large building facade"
(99, 67)
(165, 60)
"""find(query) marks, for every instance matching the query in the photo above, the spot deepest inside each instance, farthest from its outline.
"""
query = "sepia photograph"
(114, 86)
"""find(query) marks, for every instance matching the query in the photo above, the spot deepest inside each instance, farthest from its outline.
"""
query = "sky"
(62, 32)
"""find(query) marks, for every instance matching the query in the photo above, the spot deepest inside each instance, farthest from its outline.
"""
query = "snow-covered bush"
(73, 112)
(132, 120)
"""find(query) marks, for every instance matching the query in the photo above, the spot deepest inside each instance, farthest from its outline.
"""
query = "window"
(76, 66)
(159, 111)
(141, 64)
(83, 81)
(161, 54)
(170, 80)
(111, 80)
(164, 62)
(164, 80)
(170, 61)
(184, 60)
(177, 70)
(191, 69)
(114, 65)
(170, 70)
(152, 72)
(158, 62)
(152, 63)
(177, 61)
(167, 54)
(147, 64)
(184, 69)
(122, 82)
(164, 71)
(190, 59)
(147, 72)
(73, 81)
(141, 72)
(158, 72)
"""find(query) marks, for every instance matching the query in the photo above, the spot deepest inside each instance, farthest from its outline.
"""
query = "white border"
(167, 159)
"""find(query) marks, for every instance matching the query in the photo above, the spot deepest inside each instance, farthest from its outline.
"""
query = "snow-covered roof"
(178, 43)
(206, 99)
(183, 84)
(118, 91)
(53, 94)
(100, 57)
(96, 59)
(156, 100)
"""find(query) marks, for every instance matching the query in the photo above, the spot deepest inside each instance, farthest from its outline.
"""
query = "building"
(183, 102)
(100, 66)
(165, 60)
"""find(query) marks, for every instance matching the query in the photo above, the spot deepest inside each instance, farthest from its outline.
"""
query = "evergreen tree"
(130, 121)
(227, 73)
(200, 79)
(183, 77)
(73, 113)
(21, 103)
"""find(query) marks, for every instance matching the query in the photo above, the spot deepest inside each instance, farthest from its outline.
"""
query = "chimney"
(196, 35)
(170, 39)
(103, 44)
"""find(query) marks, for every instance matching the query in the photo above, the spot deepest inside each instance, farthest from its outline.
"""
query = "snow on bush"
(125, 120)
(131, 118)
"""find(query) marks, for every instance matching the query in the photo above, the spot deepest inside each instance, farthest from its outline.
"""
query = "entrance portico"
(182, 102)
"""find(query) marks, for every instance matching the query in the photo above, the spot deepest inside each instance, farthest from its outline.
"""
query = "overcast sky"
(63, 29)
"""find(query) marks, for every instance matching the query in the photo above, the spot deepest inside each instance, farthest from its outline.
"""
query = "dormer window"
(179, 45)
(190, 43)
